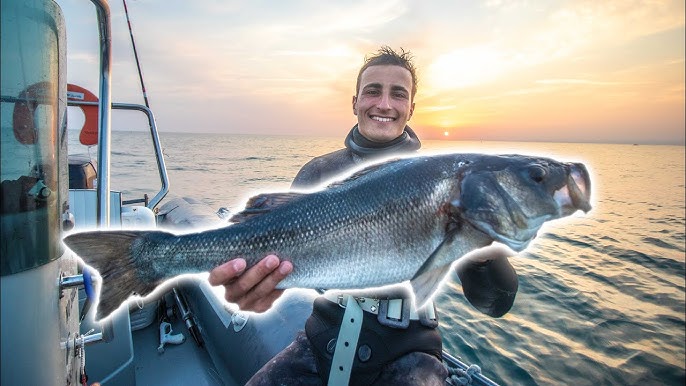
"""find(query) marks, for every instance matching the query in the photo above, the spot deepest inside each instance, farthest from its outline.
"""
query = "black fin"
(489, 283)
(264, 203)
(110, 252)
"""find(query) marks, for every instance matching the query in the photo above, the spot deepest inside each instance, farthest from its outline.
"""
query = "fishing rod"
(135, 54)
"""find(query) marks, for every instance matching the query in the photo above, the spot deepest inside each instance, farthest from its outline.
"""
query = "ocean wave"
(600, 300)
(660, 243)
(257, 158)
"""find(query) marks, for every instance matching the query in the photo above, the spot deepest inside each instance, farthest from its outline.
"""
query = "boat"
(184, 333)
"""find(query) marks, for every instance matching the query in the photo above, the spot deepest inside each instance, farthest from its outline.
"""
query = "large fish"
(405, 219)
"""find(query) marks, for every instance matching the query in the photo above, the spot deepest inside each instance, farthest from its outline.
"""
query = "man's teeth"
(382, 119)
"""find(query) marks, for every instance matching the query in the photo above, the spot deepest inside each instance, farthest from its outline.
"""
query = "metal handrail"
(104, 122)
(104, 114)
(162, 169)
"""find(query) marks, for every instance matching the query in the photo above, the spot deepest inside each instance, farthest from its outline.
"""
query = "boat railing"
(104, 112)
(162, 169)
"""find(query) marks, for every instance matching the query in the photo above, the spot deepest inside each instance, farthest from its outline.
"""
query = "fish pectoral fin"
(425, 284)
(442, 255)
(264, 203)
(428, 277)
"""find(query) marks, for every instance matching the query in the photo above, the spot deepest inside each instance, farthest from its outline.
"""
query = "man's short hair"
(387, 56)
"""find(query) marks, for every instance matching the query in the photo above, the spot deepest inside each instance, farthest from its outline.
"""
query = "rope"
(459, 377)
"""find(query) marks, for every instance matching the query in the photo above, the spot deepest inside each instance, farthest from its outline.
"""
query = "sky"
(608, 71)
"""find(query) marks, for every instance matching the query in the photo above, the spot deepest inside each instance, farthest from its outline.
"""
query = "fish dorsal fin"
(363, 172)
(428, 277)
(264, 203)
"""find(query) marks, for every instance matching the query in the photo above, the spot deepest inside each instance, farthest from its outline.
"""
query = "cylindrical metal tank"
(37, 318)
(34, 172)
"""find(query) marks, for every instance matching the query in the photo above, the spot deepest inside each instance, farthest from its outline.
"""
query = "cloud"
(502, 60)
(430, 109)
(570, 81)
(545, 35)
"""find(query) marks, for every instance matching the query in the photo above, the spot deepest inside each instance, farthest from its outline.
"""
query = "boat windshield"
(33, 145)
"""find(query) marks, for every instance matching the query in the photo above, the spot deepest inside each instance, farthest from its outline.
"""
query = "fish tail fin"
(112, 254)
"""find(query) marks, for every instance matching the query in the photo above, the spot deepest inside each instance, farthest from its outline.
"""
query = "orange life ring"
(89, 131)
(24, 109)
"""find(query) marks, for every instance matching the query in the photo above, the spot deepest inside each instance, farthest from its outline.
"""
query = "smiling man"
(392, 343)
(395, 344)
(383, 104)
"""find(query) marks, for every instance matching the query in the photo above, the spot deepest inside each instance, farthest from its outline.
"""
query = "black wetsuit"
(397, 356)
(358, 150)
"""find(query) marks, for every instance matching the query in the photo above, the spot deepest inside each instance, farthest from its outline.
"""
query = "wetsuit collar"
(362, 147)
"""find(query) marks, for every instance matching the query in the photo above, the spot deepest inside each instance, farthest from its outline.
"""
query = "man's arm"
(254, 289)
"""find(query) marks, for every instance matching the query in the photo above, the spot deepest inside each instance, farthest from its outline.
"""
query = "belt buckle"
(428, 316)
(386, 320)
(340, 302)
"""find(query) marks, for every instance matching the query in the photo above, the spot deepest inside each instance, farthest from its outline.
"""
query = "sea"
(601, 297)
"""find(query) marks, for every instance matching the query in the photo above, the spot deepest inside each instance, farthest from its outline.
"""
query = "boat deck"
(182, 364)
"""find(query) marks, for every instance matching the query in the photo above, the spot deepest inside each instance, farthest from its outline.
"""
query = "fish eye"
(537, 172)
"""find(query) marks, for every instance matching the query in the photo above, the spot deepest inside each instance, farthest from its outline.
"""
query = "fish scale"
(388, 223)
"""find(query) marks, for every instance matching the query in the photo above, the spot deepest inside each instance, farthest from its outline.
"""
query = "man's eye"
(400, 95)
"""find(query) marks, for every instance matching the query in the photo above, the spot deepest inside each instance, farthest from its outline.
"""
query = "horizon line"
(425, 138)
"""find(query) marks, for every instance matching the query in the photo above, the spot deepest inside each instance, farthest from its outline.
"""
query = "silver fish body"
(388, 223)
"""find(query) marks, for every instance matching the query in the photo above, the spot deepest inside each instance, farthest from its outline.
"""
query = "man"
(393, 349)
(254, 290)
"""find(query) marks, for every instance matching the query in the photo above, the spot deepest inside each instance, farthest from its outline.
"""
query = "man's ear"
(411, 111)
(354, 104)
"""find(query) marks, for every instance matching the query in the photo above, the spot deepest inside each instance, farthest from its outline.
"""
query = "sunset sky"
(579, 71)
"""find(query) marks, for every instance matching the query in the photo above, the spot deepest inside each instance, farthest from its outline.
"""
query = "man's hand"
(254, 289)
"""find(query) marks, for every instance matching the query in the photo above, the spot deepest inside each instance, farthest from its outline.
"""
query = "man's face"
(384, 103)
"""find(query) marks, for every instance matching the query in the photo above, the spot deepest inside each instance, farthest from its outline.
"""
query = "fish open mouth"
(576, 193)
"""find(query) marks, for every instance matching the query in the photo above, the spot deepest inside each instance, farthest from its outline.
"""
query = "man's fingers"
(227, 271)
(268, 284)
(253, 289)
(262, 295)
(253, 276)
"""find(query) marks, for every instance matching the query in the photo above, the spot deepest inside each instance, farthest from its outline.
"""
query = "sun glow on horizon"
(466, 67)
(499, 69)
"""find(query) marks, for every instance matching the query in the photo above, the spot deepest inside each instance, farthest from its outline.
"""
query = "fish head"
(510, 197)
